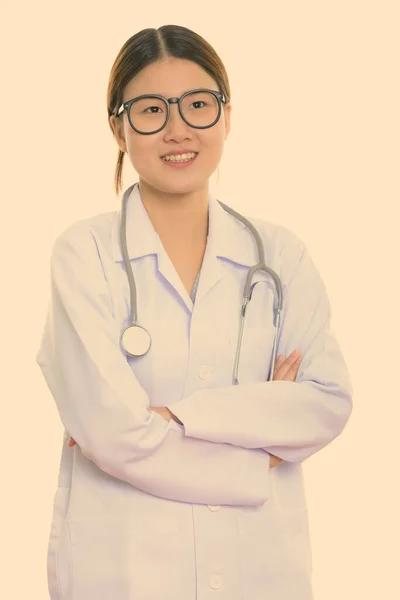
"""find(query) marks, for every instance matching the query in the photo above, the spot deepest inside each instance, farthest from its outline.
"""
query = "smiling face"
(172, 77)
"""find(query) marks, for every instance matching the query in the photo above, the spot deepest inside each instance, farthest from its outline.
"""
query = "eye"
(150, 108)
(198, 102)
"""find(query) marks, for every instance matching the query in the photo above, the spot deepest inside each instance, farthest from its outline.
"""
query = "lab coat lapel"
(168, 271)
(143, 240)
(212, 269)
(220, 242)
(226, 240)
(141, 237)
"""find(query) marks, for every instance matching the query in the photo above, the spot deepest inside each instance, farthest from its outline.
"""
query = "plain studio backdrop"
(314, 146)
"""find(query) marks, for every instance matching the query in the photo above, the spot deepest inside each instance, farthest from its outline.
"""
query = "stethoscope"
(136, 340)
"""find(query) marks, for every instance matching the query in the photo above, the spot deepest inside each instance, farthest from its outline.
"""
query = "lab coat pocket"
(100, 558)
(258, 334)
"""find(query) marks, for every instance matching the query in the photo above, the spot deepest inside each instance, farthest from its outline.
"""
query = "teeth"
(180, 157)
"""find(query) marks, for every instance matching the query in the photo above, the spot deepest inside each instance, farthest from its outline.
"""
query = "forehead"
(169, 77)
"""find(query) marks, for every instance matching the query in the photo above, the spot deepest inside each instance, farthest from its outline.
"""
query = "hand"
(161, 410)
(165, 413)
(285, 370)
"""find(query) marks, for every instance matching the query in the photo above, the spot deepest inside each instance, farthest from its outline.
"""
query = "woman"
(176, 483)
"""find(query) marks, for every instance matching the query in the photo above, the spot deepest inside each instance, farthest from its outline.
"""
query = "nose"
(176, 126)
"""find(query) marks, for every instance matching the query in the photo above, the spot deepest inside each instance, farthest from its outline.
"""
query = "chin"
(175, 186)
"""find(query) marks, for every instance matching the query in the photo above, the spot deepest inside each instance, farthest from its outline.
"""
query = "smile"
(180, 160)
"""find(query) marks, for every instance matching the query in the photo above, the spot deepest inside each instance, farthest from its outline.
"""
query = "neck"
(179, 219)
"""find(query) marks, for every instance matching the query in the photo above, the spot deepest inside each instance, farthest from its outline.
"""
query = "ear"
(118, 130)
(227, 111)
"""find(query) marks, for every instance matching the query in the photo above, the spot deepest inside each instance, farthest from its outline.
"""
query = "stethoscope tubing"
(248, 288)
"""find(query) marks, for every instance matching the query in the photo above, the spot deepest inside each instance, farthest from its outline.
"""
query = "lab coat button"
(205, 371)
(216, 582)
(213, 507)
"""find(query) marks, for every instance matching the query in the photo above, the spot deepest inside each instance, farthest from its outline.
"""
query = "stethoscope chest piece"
(136, 340)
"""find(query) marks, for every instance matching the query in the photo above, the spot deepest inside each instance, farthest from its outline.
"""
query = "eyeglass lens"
(149, 114)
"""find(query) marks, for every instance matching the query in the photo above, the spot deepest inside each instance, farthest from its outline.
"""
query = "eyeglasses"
(149, 113)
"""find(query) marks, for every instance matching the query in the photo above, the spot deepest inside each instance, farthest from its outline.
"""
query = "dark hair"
(148, 46)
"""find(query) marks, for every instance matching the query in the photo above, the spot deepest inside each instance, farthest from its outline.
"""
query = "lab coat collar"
(226, 238)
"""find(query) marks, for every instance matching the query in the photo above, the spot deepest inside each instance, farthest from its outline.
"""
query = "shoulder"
(87, 237)
(283, 247)
(289, 256)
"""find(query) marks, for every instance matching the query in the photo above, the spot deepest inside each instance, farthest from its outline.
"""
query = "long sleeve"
(291, 420)
(104, 408)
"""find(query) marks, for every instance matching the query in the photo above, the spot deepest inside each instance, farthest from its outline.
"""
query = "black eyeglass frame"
(168, 101)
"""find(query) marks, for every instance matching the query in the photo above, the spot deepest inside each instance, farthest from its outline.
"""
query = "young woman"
(180, 474)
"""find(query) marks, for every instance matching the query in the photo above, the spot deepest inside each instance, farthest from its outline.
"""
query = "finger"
(274, 461)
(293, 370)
(287, 365)
(278, 361)
(280, 368)
(294, 365)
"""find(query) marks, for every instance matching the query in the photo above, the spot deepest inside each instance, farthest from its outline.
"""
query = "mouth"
(179, 163)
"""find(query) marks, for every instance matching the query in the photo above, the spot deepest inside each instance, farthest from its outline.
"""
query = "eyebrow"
(176, 96)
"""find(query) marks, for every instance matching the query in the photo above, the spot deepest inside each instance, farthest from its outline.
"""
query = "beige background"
(315, 146)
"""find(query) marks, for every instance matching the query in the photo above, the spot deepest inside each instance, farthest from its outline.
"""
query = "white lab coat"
(147, 509)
